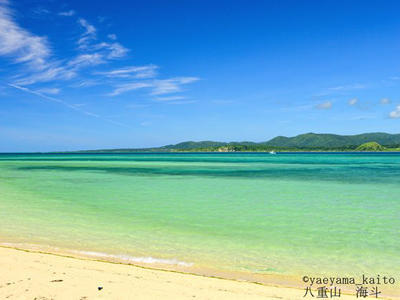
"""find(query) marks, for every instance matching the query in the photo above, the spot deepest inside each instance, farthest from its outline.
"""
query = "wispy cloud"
(49, 69)
(114, 50)
(50, 91)
(52, 99)
(40, 11)
(38, 64)
(86, 83)
(57, 70)
(158, 86)
(385, 101)
(173, 85)
(68, 13)
(395, 114)
(129, 87)
(112, 36)
(29, 50)
(171, 98)
(353, 101)
(53, 71)
(64, 103)
(20, 44)
(148, 71)
(324, 105)
(89, 34)
(83, 60)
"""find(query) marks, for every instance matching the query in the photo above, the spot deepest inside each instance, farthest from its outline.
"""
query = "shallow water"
(284, 214)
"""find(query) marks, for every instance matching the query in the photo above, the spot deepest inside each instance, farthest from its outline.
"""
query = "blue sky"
(110, 74)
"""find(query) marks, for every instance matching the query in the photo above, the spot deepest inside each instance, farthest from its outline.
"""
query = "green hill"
(314, 140)
(191, 145)
(370, 146)
(307, 140)
(302, 142)
(204, 144)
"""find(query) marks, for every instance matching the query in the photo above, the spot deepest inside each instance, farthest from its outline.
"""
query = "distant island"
(371, 142)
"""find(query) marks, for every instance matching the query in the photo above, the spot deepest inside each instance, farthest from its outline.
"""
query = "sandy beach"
(30, 275)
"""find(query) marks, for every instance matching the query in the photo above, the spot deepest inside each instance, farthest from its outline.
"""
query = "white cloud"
(385, 101)
(84, 60)
(86, 83)
(20, 44)
(30, 50)
(112, 36)
(68, 13)
(116, 50)
(396, 113)
(353, 101)
(90, 29)
(89, 34)
(173, 85)
(51, 91)
(324, 105)
(159, 86)
(110, 50)
(38, 63)
(53, 71)
(41, 11)
(148, 71)
(57, 71)
(171, 98)
(129, 87)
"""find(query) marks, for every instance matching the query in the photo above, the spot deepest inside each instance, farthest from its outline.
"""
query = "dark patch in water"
(348, 174)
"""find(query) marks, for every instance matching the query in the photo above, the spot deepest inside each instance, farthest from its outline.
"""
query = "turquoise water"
(284, 214)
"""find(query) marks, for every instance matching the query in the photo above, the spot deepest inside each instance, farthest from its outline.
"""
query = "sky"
(125, 74)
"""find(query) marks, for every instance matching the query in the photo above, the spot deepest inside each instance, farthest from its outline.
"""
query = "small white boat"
(272, 152)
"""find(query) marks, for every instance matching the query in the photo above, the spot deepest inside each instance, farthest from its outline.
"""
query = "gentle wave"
(126, 258)
(146, 260)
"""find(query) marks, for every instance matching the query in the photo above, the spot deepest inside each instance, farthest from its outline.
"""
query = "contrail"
(62, 102)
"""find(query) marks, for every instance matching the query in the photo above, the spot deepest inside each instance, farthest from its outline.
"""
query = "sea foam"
(136, 259)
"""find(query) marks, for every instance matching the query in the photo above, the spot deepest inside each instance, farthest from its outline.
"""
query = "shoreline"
(34, 275)
(62, 276)
(202, 152)
(158, 264)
